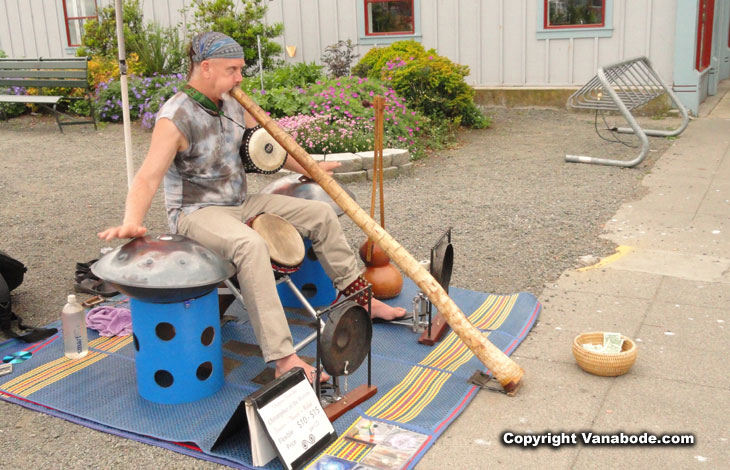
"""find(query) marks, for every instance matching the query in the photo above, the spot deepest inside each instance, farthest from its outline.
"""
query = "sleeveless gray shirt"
(210, 172)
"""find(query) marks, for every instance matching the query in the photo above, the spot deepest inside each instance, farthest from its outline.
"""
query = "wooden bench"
(45, 73)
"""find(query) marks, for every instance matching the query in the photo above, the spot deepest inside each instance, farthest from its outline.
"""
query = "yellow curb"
(621, 251)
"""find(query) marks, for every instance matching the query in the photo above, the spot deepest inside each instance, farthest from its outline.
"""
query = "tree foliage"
(242, 20)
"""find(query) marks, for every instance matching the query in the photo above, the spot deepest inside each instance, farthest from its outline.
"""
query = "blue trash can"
(311, 280)
(179, 355)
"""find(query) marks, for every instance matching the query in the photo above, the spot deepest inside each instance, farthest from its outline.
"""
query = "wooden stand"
(350, 401)
(438, 329)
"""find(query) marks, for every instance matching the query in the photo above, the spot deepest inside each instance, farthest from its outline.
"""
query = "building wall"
(497, 39)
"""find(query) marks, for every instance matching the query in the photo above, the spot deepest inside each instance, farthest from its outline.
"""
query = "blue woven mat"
(420, 389)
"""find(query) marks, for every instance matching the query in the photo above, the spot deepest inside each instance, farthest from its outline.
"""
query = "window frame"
(387, 38)
(602, 30)
(67, 18)
(396, 33)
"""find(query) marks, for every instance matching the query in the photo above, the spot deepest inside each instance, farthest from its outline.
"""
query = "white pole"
(261, 63)
(125, 92)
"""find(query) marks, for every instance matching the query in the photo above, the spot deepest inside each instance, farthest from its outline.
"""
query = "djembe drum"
(311, 278)
(286, 248)
(260, 152)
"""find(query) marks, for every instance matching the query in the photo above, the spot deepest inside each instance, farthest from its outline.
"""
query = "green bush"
(146, 95)
(243, 25)
(287, 76)
(100, 35)
(429, 82)
(10, 110)
(376, 58)
(347, 100)
(160, 50)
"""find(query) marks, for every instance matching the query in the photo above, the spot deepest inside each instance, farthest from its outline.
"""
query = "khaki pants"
(223, 230)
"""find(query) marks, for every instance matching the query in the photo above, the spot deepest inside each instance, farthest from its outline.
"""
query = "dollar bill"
(593, 347)
(612, 343)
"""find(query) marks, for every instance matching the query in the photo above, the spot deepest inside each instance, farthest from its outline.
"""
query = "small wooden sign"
(286, 420)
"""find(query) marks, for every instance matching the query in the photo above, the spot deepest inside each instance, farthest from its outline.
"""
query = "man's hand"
(122, 231)
(293, 165)
(328, 167)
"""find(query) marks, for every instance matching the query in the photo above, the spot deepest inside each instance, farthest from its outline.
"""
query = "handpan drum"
(286, 248)
(345, 340)
(163, 269)
(301, 187)
(260, 152)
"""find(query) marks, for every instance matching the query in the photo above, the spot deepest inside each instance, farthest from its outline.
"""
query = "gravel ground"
(520, 217)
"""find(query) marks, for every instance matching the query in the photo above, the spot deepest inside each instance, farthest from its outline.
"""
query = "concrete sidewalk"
(668, 289)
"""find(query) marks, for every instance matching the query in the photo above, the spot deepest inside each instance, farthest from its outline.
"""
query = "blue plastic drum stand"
(179, 355)
(312, 282)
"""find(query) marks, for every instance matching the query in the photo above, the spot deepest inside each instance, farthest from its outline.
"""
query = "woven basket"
(607, 365)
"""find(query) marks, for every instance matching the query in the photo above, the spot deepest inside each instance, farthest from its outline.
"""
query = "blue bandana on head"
(214, 45)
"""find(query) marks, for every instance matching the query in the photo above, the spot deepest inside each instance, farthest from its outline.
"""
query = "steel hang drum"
(163, 269)
(301, 187)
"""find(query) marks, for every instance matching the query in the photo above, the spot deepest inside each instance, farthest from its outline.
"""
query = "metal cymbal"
(300, 186)
(345, 339)
(163, 269)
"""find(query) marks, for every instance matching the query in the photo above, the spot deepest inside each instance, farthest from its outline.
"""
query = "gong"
(345, 340)
(442, 256)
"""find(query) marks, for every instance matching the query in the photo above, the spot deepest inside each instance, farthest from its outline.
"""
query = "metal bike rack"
(624, 86)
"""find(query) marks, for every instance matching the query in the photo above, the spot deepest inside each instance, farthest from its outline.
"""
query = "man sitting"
(195, 150)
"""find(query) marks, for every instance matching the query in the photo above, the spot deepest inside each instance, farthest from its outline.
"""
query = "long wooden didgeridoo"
(505, 370)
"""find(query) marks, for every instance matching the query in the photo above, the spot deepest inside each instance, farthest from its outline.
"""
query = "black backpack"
(12, 272)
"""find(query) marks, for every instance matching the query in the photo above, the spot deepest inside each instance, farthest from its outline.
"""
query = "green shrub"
(10, 110)
(287, 76)
(243, 25)
(160, 50)
(325, 135)
(346, 100)
(429, 82)
(100, 35)
(146, 95)
(376, 58)
(101, 69)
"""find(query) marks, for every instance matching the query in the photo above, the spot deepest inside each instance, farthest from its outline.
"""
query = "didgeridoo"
(505, 370)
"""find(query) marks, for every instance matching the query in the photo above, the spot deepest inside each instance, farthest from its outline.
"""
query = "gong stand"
(440, 266)
(336, 404)
(233, 290)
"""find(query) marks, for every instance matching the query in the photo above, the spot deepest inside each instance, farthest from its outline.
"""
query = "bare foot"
(285, 364)
(384, 311)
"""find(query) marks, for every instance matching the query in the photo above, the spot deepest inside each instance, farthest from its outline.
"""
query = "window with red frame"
(574, 14)
(388, 17)
(75, 13)
(704, 34)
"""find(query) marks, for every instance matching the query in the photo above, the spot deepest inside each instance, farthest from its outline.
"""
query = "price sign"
(295, 421)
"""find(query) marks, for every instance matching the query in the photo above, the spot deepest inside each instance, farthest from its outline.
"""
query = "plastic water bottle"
(73, 321)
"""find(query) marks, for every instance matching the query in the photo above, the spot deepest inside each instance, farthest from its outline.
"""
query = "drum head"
(345, 341)
(263, 151)
(286, 247)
